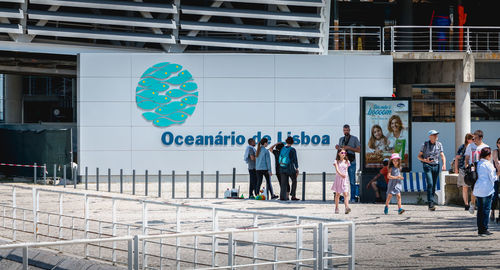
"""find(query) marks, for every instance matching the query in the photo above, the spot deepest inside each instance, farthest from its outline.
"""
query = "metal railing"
(441, 39)
(319, 257)
(355, 38)
(36, 223)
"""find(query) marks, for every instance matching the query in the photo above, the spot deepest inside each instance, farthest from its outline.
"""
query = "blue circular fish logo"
(168, 94)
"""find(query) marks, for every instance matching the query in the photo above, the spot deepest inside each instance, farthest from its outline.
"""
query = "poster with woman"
(386, 130)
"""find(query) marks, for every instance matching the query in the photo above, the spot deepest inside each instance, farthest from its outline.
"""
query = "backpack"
(470, 176)
(284, 159)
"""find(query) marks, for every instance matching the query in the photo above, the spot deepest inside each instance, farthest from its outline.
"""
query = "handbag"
(470, 176)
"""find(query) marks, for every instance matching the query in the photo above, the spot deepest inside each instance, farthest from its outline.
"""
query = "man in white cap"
(429, 155)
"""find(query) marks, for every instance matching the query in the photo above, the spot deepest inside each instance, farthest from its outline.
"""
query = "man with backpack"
(472, 156)
(429, 155)
(289, 168)
(352, 145)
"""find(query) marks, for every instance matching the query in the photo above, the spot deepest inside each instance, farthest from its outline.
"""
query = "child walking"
(395, 185)
(341, 183)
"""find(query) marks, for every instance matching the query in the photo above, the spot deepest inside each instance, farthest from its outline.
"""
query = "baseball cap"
(432, 132)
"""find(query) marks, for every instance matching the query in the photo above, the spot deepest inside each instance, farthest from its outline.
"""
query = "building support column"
(13, 99)
(464, 75)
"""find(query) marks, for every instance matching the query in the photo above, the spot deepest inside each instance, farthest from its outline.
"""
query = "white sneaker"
(471, 208)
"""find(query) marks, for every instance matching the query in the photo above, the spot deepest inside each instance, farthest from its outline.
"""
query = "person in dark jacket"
(289, 168)
(276, 150)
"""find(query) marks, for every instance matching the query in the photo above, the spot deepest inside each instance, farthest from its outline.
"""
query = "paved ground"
(418, 239)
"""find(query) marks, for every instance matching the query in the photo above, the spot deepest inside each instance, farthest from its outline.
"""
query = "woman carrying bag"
(484, 190)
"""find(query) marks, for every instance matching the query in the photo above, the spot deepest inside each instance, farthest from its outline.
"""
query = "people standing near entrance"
(263, 166)
(472, 155)
(351, 145)
(395, 186)
(249, 158)
(276, 150)
(341, 183)
(429, 155)
(484, 190)
(460, 170)
(289, 168)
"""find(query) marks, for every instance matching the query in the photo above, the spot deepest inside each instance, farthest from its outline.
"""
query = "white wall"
(242, 93)
(491, 130)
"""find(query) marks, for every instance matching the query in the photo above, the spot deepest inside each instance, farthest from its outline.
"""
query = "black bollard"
(109, 180)
(159, 183)
(324, 186)
(217, 184)
(187, 184)
(146, 184)
(121, 180)
(97, 178)
(86, 178)
(173, 184)
(133, 182)
(303, 186)
(234, 177)
(64, 174)
(202, 184)
(74, 173)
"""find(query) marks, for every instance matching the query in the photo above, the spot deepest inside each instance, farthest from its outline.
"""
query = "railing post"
(299, 238)
(146, 184)
(55, 174)
(234, 177)
(144, 232)
(315, 248)
(303, 186)
(177, 239)
(173, 184)
(215, 227)
(159, 183)
(217, 184)
(113, 229)
(187, 184)
(133, 182)
(430, 39)
(86, 178)
(97, 178)
(320, 246)
(324, 186)
(352, 38)
(468, 40)
(86, 222)
(25, 258)
(381, 39)
(393, 49)
(44, 174)
(14, 214)
(109, 180)
(34, 172)
(61, 197)
(230, 249)
(136, 252)
(64, 174)
(121, 180)
(202, 183)
(352, 235)
(130, 254)
(255, 240)
(35, 213)
(74, 172)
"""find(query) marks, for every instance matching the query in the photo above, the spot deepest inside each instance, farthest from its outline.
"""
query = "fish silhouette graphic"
(167, 93)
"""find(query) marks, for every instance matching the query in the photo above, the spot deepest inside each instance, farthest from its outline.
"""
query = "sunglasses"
(343, 153)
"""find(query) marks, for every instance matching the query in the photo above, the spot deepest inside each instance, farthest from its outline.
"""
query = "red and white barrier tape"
(20, 165)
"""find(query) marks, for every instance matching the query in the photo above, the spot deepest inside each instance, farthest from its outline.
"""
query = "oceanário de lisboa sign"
(167, 93)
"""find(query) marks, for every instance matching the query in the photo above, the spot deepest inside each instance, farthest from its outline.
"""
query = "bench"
(416, 182)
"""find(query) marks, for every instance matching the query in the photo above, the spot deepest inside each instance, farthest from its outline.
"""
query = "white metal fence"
(415, 38)
(249, 239)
